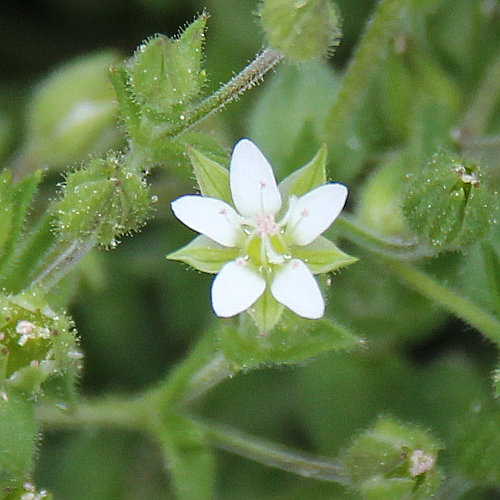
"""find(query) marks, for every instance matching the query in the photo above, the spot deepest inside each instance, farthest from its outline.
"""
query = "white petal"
(252, 181)
(294, 286)
(236, 288)
(313, 213)
(209, 216)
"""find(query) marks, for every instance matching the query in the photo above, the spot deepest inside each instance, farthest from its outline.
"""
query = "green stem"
(363, 65)
(203, 368)
(63, 258)
(350, 229)
(274, 455)
(393, 254)
(133, 414)
(243, 81)
(460, 306)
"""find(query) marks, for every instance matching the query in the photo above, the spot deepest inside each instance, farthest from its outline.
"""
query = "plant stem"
(243, 81)
(393, 254)
(129, 414)
(347, 227)
(203, 368)
(274, 455)
(60, 262)
(460, 306)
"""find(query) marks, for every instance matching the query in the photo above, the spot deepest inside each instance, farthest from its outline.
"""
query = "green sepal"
(448, 203)
(212, 178)
(322, 256)
(294, 340)
(18, 439)
(301, 30)
(204, 254)
(165, 73)
(188, 457)
(308, 177)
(38, 343)
(394, 458)
(102, 201)
(130, 110)
(266, 312)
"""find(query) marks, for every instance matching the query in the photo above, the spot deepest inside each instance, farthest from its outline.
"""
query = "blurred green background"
(137, 313)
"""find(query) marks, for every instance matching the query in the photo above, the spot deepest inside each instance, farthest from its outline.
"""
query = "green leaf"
(165, 73)
(213, 178)
(294, 340)
(322, 256)
(204, 254)
(189, 459)
(476, 446)
(308, 177)
(492, 270)
(18, 437)
(18, 197)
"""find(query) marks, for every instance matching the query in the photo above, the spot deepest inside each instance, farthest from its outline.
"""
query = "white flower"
(266, 234)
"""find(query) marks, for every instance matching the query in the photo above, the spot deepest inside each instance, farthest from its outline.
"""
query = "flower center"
(266, 226)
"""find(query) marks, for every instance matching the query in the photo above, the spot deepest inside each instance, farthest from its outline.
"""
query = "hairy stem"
(243, 81)
(480, 319)
(62, 260)
(275, 455)
(350, 229)
(394, 255)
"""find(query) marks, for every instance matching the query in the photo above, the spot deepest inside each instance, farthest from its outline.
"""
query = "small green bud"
(447, 202)
(72, 113)
(302, 29)
(165, 73)
(104, 201)
(36, 343)
(394, 460)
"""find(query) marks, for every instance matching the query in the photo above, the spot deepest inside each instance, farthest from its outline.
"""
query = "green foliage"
(448, 202)
(394, 460)
(422, 83)
(18, 439)
(37, 343)
(165, 74)
(477, 444)
(294, 340)
(302, 30)
(102, 201)
(188, 458)
(72, 113)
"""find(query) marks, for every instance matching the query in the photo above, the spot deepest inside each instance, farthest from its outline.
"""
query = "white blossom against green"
(269, 239)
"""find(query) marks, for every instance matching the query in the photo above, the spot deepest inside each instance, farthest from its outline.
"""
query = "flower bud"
(394, 460)
(302, 29)
(447, 202)
(72, 113)
(103, 201)
(36, 343)
(166, 73)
